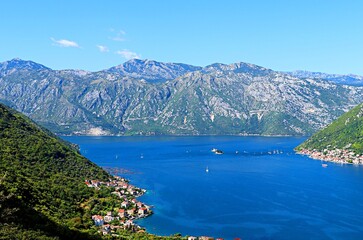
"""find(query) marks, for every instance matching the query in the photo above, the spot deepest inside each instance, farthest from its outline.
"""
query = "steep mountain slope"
(41, 182)
(238, 98)
(349, 79)
(344, 133)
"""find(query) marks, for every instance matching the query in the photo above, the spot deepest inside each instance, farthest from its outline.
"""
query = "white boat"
(324, 165)
(207, 170)
(218, 152)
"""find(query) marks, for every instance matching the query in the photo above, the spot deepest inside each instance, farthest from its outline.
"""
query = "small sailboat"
(207, 170)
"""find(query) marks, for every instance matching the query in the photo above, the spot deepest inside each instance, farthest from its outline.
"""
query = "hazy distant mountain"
(152, 71)
(238, 98)
(349, 79)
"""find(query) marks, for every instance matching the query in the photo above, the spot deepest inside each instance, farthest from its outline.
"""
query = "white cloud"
(64, 43)
(103, 48)
(119, 35)
(127, 54)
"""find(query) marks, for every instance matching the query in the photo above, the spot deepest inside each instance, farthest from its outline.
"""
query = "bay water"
(258, 189)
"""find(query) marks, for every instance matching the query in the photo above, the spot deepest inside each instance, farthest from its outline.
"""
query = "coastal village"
(336, 155)
(129, 208)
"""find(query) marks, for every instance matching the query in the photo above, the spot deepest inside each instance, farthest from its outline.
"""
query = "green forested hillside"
(41, 182)
(344, 133)
(43, 194)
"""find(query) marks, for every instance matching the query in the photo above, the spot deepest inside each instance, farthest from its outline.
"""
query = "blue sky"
(325, 35)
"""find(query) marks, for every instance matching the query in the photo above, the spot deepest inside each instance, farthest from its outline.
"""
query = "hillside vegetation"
(41, 181)
(43, 194)
(344, 133)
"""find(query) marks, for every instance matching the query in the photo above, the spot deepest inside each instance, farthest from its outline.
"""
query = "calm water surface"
(258, 189)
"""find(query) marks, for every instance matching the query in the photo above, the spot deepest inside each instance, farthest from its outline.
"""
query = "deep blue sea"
(258, 189)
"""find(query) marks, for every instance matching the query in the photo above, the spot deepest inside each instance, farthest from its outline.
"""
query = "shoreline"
(177, 135)
(336, 156)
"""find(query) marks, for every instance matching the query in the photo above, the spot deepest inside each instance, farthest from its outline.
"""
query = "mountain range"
(145, 97)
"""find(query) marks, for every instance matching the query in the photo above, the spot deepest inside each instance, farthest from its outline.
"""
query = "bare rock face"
(147, 97)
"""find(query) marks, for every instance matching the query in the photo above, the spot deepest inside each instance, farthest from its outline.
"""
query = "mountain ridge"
(151, 70)
(138, 68)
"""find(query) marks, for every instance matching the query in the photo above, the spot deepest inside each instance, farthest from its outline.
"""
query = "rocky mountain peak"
(152, 71)
(17, 64)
